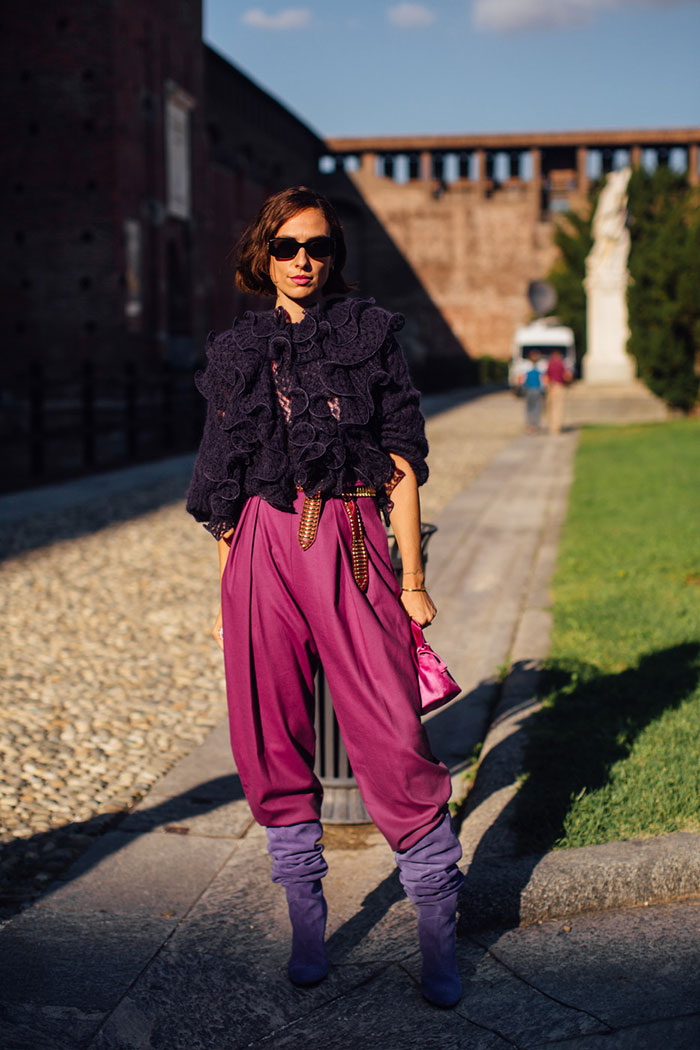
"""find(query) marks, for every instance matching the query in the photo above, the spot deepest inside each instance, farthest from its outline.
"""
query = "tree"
(663, 297)
(574, 239)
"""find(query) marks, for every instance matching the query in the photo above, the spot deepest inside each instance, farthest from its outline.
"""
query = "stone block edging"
(524, 890)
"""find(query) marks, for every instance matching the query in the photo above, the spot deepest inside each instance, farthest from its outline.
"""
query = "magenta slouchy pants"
(284, 609)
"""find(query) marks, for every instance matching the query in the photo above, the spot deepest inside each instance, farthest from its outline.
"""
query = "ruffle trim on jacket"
(317, 404)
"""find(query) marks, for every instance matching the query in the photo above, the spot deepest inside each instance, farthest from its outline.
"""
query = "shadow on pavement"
(39, 529)
(374, 907)
(456, 731)
(56, 851)
(434, 404)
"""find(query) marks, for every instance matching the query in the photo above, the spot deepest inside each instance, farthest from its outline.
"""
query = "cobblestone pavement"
(110, 674)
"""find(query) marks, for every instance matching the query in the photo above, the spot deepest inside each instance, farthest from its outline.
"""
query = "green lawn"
(615, 752)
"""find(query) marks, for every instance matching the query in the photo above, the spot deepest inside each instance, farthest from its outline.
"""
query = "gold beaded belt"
(308, 527)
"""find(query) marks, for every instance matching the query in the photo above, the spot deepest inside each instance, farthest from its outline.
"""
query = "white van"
(544, 335)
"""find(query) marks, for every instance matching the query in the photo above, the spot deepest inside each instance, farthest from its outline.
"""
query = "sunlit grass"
(614, 752)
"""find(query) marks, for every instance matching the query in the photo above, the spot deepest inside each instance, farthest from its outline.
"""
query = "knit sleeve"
(402, 426)
(214, 494)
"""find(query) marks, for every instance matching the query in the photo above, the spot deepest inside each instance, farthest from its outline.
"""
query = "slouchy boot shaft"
(297, 853)
(431, 879)
(428, 870)
(298, 865)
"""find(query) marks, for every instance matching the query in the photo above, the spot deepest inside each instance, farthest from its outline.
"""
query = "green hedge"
(664, 292)
(492, 370)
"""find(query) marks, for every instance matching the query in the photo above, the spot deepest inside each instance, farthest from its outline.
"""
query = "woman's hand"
(419, 606)
(217, 632)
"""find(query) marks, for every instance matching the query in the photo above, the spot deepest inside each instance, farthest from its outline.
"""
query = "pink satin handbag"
(436, 684)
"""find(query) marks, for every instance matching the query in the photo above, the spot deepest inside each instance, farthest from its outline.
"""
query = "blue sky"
(372, 67)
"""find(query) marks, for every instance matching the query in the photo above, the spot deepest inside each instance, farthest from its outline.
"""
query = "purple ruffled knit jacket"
(319, 404)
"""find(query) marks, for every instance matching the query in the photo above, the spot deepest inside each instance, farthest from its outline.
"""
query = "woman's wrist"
(414, 580)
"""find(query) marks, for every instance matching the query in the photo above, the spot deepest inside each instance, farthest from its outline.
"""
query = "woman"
(558, 376)
(312, 426)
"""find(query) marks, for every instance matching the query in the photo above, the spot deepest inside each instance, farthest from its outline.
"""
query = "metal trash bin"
(342, 801)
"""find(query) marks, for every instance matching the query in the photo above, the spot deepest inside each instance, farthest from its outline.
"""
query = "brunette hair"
(252, 251)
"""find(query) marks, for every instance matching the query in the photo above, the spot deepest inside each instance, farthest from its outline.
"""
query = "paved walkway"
(167, 933)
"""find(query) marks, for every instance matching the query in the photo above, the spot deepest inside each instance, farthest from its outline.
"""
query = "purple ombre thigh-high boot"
(298, 864)
(430, 876)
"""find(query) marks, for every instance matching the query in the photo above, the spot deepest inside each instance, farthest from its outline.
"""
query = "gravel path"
(110, 673)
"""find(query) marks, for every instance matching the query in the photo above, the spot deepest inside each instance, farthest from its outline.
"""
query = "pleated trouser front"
(284, 609)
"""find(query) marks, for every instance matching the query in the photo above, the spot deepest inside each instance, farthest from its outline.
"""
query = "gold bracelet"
(421, 590)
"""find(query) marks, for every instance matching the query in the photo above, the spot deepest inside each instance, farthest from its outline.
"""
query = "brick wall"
(473, 254)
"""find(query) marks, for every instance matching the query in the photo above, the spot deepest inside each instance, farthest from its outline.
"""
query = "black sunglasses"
(286, 248)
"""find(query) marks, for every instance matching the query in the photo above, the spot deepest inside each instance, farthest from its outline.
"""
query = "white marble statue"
(607, 361)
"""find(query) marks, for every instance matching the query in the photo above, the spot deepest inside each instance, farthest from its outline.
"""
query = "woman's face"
(299, 280)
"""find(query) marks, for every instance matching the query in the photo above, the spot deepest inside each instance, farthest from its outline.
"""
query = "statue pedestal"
(606, 360)
(609, 373)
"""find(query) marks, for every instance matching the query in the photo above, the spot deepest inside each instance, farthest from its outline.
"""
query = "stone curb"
(519, 891)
